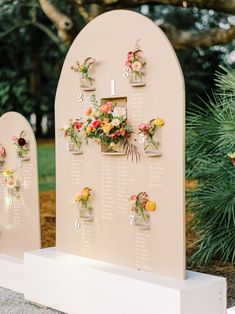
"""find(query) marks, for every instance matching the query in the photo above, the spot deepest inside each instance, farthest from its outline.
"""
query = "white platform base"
(12, 273)
(231, 310)
(75, 285)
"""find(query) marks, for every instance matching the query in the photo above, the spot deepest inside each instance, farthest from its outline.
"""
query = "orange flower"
(88, 111)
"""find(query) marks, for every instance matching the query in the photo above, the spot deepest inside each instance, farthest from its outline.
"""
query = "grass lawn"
(46, 166)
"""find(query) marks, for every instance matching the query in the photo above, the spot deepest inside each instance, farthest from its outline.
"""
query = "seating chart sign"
(19, 196)
(120, 147)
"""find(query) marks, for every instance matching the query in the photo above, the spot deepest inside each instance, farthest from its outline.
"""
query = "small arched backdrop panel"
(19, 196)
(111, 236)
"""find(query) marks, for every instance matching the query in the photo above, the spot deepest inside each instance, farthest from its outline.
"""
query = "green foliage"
(46, 161)
(210, 137)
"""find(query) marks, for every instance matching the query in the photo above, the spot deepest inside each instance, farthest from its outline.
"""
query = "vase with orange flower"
(142, 206)
(83, 201)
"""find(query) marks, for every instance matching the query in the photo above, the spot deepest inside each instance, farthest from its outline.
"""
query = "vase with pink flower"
(3, 156)
(22, 146)
(142, 206)
(148, 136)
(135, 65)
(86, 80)
(12, 183)
(72, 131)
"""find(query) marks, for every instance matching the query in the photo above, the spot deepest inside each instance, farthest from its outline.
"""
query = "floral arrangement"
(86, 80)
(82, 199)
(22, 146)
(142, 205)
(135, 63)
(72, 129)
(108, 125)
(232, 156)
(148, 130)
(2, 155)
(11, 182)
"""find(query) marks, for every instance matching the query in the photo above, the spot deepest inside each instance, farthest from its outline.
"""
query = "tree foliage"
(210, 137)
(36, 34)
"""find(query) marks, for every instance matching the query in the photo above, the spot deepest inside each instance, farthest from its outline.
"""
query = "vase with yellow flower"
(148, 134)
(83, 201)
(142, 206)
(12, 183)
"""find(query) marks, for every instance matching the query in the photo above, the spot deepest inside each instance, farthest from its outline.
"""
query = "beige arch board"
(111, 237)
(19, 208)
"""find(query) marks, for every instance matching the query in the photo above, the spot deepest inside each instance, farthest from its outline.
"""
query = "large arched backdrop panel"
(113, 179)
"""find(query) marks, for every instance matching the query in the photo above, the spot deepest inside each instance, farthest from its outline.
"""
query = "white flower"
(66, 126)
(119, 112)
(115, 122)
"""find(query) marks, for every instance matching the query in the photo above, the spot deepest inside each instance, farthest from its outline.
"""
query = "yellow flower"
(78, 197)
(107, 127)
(122, 131)
(88, 129)
(86, 193)
(159, 122)
(150, 206)
(7, 172)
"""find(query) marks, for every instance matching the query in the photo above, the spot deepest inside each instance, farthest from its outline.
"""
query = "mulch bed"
(47, 203)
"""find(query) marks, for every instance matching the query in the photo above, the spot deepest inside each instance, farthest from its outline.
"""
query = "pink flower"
(2, 152)
(106, 108)
(233, 161)
(78, 125)
(10, 183)
(96, 124)
(130, 56)
(133, 197)
(136, 66)
(144, 126)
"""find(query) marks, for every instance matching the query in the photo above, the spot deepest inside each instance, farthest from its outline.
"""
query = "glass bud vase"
(142, 220)
(86, 214)
(136, 79)
(151, 147)
(86, 82)
(23, 155)
(74, 148)
(2, 162)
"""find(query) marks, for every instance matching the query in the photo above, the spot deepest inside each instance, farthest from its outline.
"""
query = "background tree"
(35, 36)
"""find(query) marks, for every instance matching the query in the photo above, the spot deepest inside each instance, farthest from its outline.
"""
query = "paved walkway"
(14, 303)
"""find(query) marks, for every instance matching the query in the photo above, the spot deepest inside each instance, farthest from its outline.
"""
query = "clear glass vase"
(86, 214)
(74, 148)
(116, 149)
(136, 79)
(86, 82)
(142, 220)
(2, 162)
(14, 192)
(23, 155)
(151, 147)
